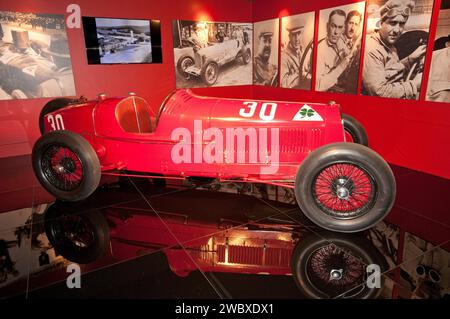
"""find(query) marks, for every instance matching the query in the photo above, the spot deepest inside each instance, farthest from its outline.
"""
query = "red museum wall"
(414, 134)
(19, 118)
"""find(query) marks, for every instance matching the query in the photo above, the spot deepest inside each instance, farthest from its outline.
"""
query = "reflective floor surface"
(140, 239)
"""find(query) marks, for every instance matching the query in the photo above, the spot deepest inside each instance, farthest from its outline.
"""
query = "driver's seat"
(135, 116)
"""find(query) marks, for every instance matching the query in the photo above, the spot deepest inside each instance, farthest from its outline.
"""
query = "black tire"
(78, 172)
(355, 130)
(246, 56)
(53, 106)
(210, 73)
(79, 237)
(317, 256)
(183, 62)
(345, 187)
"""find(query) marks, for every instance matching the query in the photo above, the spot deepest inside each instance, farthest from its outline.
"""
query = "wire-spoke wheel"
(344, 190)
(79, 237)
(333, 265)
(66, 165)
(345, 187)
(210, 73)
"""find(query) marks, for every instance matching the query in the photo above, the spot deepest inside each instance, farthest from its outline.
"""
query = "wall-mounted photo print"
(212, 53)
(34, 56)
(339, 48)
(395, 47)
(297, 35)
(438, 89)
(122, 41)
(265, 62)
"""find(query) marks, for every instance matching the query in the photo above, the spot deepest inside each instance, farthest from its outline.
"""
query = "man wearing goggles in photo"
(384, 74)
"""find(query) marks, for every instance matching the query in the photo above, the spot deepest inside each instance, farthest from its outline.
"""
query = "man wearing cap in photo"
(350, 45)
(291, 72)
(384, 74)
(438, 89)
(62, 83)
(265, 73)
(331, 60)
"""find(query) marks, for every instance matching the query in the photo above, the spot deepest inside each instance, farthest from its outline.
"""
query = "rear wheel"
(53, 106)
(66, 165)
(345, 187)
(333, 265)
(354, 131)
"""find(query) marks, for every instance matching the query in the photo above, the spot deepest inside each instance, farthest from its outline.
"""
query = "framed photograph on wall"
(34, 56)
(212, 53)
(265, 61)
(297, 44)
(438, 89)
(395, 47)
(339, 48)
(122, 41)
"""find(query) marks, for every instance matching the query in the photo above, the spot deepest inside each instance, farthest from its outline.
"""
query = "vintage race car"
(207, 61)
(340, 186)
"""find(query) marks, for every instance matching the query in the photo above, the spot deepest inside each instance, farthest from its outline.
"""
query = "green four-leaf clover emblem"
(306, 112)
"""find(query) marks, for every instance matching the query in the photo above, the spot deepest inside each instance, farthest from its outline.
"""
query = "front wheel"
(80, 237)
(333, 265)
(345, 187)
(210, 73)
(66, 165)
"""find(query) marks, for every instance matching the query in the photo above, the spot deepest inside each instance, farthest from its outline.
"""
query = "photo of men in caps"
(438, 89)
(296, 51)
(338, 50)
(351, 47)
(385, 74)
(265, 66)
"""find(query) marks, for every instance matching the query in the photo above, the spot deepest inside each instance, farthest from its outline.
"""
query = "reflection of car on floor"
(193, 237)
(206, 62)
(344, 187)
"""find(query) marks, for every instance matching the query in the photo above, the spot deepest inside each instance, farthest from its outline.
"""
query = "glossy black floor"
(197, 240)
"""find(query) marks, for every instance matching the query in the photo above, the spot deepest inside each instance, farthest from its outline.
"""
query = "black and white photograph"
(339, 48)
(120, 41)
(297, 45)
(395, 47)
(212, 53)
(265, 62)
(34, 56)
(438, 89)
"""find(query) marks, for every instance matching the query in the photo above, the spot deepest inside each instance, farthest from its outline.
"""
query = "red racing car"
(340, 186)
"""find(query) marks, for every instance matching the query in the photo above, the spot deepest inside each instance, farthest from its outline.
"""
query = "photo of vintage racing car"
(340, 186)
(206, 62)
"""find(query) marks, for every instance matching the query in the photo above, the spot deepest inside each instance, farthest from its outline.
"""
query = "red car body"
(140, 141)
(340, 186)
